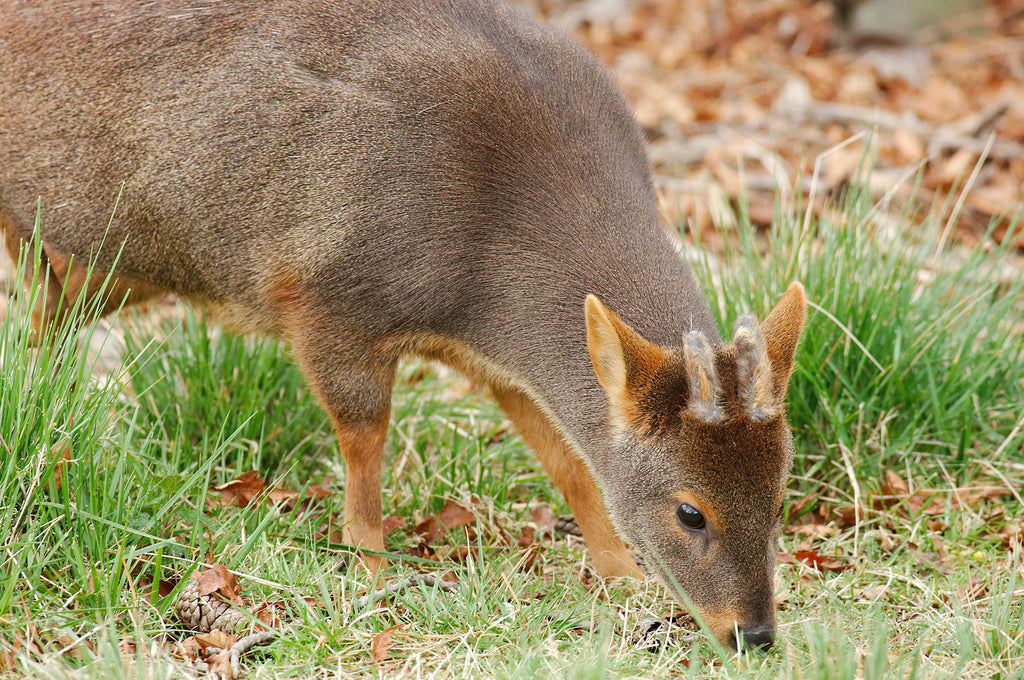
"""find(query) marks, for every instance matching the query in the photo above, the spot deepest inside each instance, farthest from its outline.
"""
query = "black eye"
(690, 516)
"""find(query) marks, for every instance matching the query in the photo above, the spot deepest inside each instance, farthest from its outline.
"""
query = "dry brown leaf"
(976, 589)
(526, 537)
(697, 69)
(215, 648)
(895, 493)
(873, 593)
(930, 560)
(218, 579)
(812, 530)
(164, 588)
(220, 665)
(461, 553)
(815, 560)
(62, 452)
(279, 494)
(6, 660)
(250, 486)
(452, 516)
(382, 643)
(1012, 533)
(242, 490)
(215, 638)
(424, 551)
(271, 614)
(186, 650)
(543, 518)
(392, 523)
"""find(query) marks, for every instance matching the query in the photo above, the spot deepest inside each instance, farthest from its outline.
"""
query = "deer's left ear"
(781, 332)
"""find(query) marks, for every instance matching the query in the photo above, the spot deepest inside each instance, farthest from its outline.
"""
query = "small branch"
(428, 580)
(247, 643)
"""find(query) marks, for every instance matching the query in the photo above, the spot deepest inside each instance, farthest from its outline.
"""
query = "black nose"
(759, 640)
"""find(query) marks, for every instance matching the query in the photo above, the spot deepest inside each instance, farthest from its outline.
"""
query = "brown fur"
(371, 179)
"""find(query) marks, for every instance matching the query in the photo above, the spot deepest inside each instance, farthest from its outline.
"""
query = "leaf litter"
(741, 100)
(889, 513)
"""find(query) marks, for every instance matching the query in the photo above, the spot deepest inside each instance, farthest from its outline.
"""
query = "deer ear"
(781, 332)
(623, 360)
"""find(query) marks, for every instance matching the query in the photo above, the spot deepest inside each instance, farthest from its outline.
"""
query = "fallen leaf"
(250, 486)
(186, 650)
(241, 490)
(270, 614)
(317, 492)
(930, 560)
(392, 523)
(543, 518)
(279, 494)
(220, 665)
(215, 638)
(63, 458)
(382, 643)
(873, 593)
(529, 563)
(975, 589)
(6, 660)
(812, 530)
(461, 553)
(526, 537)
(1012, 533)
(452, 516)
(164, 588)
(815, 560)
(218, 579)
(423, 550)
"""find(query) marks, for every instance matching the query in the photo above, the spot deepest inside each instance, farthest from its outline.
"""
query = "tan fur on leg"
(575, 482)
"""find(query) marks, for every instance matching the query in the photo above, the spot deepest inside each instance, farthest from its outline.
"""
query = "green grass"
(911, 363)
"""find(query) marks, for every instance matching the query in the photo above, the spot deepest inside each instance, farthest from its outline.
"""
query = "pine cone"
(203, 613)
(566, 525)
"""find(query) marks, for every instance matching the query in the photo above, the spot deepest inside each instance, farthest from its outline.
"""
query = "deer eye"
(690, 517)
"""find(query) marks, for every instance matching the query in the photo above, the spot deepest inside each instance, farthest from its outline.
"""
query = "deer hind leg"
(574, 479)
(362, 446)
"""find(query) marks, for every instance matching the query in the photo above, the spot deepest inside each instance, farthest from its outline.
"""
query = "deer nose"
(758, 640)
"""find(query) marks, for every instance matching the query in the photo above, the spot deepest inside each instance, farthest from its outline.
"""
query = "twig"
(247, 643)
(428, 580)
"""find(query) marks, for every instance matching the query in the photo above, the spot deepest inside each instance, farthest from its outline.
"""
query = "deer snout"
(759, 640)
(735, 633)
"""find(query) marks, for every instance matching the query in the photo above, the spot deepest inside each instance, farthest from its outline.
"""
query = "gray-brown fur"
(373, 179)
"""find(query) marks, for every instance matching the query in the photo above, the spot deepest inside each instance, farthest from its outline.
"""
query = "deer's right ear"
(623, 360)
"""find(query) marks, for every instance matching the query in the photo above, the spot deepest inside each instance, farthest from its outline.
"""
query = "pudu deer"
(445, 178)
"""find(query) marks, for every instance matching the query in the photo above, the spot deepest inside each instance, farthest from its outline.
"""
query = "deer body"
(368, 180)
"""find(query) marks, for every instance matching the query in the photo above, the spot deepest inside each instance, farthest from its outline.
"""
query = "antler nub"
(703, 380)
(754, 371)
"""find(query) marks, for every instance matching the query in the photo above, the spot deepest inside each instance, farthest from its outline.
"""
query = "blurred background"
(745, 97)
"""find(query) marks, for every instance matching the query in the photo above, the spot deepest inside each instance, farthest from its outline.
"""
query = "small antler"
(703, 380)
(754, 371)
